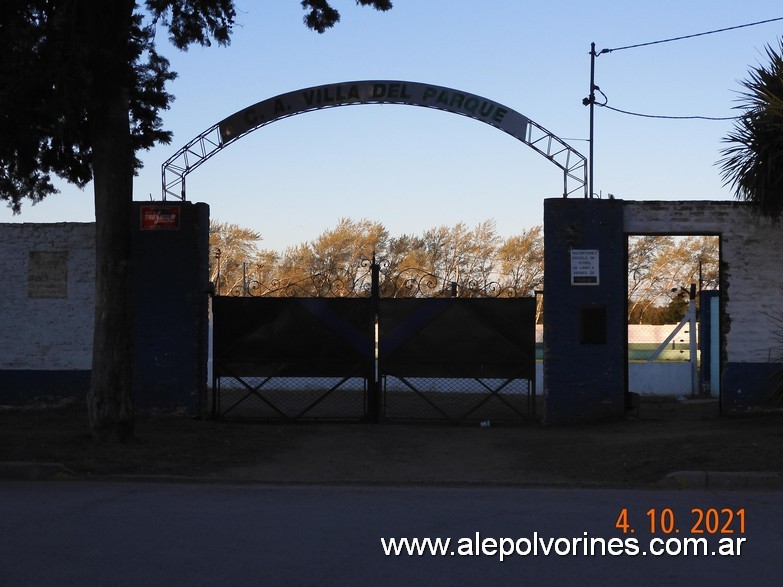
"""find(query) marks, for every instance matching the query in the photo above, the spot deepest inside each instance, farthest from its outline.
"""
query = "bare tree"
(660, 267)
(336, 262)
(231, 248)
(521, 261)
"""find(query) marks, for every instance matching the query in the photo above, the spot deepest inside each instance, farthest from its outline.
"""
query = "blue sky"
(415, 168)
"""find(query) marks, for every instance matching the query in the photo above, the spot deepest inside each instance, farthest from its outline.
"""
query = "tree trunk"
(110, 398)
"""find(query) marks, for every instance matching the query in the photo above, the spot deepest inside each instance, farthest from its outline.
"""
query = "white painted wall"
(752, 265)
(665, 378)
(47, 333)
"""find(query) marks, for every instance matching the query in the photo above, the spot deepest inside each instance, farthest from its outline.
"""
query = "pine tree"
(81, 86)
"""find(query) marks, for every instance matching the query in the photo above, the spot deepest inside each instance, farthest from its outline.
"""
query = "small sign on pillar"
(584, 267)
(157, 217)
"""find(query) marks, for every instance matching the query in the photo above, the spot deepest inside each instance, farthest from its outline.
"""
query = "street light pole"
(591, 102)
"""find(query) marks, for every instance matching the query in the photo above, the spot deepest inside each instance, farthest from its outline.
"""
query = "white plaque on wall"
(584, 267)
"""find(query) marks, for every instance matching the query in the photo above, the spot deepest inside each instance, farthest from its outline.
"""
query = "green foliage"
(753, 163)
(670, 313)
(195, 21)
(81, 89)
(55, 70)
(322, 15)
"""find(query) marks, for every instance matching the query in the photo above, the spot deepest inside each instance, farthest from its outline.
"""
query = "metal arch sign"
(374, 92)
(211, 141)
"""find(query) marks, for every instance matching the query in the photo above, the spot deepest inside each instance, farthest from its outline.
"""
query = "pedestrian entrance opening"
(673, 315)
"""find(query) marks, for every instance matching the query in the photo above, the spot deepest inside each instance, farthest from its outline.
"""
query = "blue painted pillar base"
(585, 325)
(751, 386)
(170, 291)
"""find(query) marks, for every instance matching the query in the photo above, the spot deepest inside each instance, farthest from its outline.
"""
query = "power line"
(691, 36)
(590, 100)
(667, 117)
(604, 105)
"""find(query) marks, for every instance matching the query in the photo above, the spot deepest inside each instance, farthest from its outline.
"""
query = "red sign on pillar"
(157, 217)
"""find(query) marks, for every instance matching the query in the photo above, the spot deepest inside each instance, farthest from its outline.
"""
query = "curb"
(722, 480)
(747, 480)
(24, 471)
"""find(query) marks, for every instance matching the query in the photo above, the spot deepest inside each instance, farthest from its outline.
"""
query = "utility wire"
(604, 105)
(591, 99)
(690, 36)
(668, 117)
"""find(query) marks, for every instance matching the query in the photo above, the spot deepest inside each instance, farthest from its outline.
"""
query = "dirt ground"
(666, 436)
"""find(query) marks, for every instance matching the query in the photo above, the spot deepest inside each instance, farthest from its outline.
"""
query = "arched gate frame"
(217, 137)
(404, 348)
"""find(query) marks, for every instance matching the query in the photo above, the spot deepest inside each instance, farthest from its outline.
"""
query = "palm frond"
(752, 164)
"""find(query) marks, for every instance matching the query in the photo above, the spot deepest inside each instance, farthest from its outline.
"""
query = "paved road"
(81, 533)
